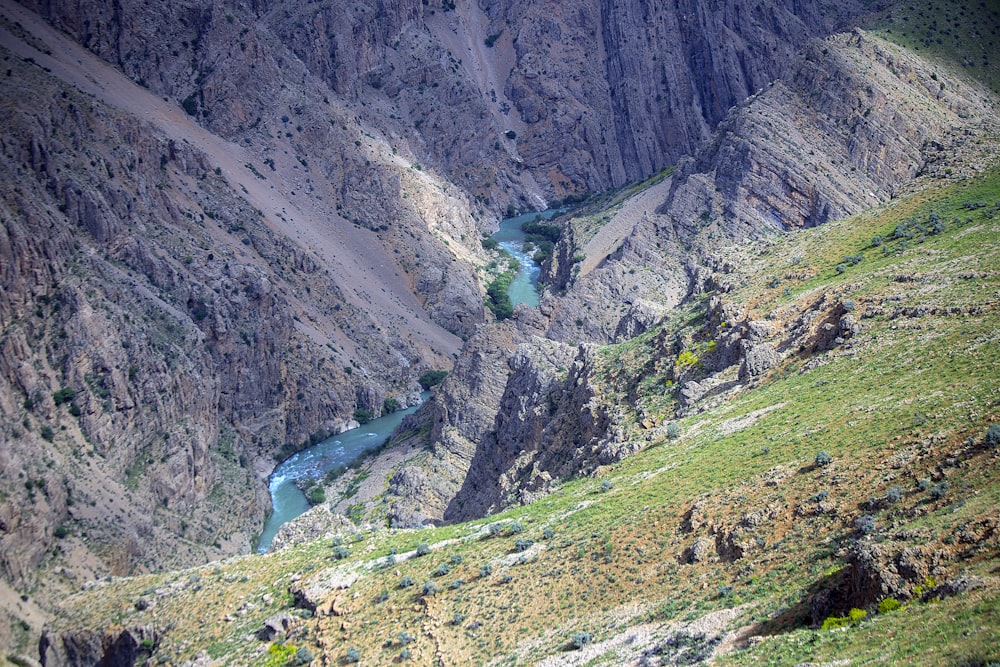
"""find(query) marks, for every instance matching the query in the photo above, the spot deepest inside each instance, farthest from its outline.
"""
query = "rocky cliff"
(176, 312)
(795, 155)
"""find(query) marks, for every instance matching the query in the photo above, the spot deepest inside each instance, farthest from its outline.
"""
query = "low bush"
(889, 605)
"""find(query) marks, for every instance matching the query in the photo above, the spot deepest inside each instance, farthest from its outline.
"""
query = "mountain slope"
(861, 468)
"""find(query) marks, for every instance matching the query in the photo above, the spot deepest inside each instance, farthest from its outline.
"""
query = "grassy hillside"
(733, 530)
(966, 34)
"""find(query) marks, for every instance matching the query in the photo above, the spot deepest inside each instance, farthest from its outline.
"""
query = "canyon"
(231, 228)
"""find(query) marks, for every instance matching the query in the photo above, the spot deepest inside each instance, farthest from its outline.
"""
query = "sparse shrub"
(458, 583)
(506, 579)
(894, 494)
(848, 305)
(853, 617)
(581, 639)
(338, 540)
(673, 431)
(823, 459)
(485, 570)
(303, 656)
(494, 529)
(876, 241)
(455, 559)
(840, 269)
(523, 544)
(516, 527)
(383, 596)
(352, 656)
(316, 495)
(606, 485)
(430, 588)
(924, 484)
(992, 438)
(888, 605)
(47, 433)
(548, 533)
(405, 638)
(865, 524)
(341, 552)
(406, 582)
(457, 618)
(423, 549)
(441, 570)
(64, 395)
(938, 491)
(820, 497)
(725, 591)
(405, 654)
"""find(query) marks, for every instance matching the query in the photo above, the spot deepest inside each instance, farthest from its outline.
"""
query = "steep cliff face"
(548, 99)
(171, 321)
(609, 92)
(796, 155)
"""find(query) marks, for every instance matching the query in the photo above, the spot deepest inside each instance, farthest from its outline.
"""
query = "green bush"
(516, 527)
(673, 431)
(523, 544)
(363, 415)
(423, 549)
(441, 570)
(865, 524)
(938, 491)
(823, 459)
(497, 298)
(406, 582)
(431, 379)
(64, 395)
(485, 570)
(341, 552)
(490, 243)
(992, 438)
(47, 433)
(581, 639)
(888, 605)
(316, 495)
(430, 588)
(390, 405)
(352, 656)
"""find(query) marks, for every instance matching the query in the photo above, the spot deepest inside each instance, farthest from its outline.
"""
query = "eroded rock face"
(161, 342)
(123, 646)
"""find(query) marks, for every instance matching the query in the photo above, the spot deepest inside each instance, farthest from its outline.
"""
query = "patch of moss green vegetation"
(964, 33)
(908, 402)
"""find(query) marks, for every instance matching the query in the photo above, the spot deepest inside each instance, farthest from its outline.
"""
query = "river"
(524, 287)
(287, 501)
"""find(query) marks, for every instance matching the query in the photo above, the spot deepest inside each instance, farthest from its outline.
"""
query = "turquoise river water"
(287, 501)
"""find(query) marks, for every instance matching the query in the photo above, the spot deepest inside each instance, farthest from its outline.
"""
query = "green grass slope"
(735, 533)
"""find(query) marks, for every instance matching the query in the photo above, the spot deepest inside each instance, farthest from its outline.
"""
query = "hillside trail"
(364, 270)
